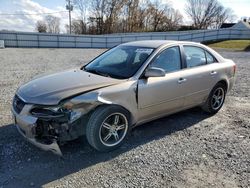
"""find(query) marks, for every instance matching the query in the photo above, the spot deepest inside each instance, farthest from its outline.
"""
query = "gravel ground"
(188, 149)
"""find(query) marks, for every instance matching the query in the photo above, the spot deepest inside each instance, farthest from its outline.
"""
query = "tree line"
(118, 16)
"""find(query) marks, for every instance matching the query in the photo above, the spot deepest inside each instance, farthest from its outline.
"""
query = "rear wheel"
(215, 99)
(107, 127)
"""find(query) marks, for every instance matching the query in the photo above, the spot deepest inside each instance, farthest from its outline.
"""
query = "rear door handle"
(182, 80)
(213, 73)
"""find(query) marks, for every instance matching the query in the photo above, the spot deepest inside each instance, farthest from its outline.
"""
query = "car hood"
(51, 89)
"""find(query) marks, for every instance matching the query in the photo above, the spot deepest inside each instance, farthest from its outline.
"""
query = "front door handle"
(181, 80)
(213, 73)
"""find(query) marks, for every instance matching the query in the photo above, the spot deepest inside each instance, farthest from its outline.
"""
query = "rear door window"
(195, 56)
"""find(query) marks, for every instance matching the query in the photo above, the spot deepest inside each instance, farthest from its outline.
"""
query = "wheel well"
(87, 115)
(224, 83)
(130, 114)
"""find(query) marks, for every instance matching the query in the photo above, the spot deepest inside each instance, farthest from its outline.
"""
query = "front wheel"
(215, 99)
(107, 127)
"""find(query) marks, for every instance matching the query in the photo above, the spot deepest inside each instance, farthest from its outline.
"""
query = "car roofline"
(169, 43)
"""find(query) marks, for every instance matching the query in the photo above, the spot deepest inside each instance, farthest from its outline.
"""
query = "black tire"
(209, 105)
(97, 127)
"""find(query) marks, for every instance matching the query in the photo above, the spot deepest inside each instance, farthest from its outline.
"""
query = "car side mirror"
(154, 72)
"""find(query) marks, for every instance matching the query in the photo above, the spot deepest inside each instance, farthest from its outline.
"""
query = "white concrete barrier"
(48, 40)
(1, 43)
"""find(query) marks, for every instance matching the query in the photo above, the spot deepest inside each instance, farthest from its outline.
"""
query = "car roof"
(152, 43)
(159, 43)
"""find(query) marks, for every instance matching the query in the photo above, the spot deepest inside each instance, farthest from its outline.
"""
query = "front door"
(162, 95)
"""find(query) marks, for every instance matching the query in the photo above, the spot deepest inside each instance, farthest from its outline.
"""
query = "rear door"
(199, 75)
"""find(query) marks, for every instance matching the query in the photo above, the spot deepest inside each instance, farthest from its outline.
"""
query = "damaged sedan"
(128, 85)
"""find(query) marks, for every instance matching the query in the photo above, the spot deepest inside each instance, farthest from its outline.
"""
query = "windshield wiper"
(97, 72)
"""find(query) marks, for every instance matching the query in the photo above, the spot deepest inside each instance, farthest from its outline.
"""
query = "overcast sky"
(27, 22)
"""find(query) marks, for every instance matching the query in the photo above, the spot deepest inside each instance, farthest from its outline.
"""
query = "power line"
(13, 14)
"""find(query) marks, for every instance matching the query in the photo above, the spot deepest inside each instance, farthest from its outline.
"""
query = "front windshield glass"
(121, 62)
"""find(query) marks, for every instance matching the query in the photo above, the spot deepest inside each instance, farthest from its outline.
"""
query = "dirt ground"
(188, 149)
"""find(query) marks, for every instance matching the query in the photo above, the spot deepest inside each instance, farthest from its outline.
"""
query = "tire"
(211, 106)
(107, 128)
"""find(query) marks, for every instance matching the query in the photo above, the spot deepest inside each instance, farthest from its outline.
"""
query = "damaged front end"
(48, 127)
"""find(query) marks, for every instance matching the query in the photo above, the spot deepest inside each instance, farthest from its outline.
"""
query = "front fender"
(123, 95)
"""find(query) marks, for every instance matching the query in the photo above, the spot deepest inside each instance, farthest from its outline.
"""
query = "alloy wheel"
(218, 98)
(113, 129)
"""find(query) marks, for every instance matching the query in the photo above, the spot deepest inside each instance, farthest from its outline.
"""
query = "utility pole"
(69, 7)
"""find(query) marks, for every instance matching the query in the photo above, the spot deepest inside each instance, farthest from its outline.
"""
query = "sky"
(19, 22)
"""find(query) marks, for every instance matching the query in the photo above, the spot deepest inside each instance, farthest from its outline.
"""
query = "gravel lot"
(188, 149)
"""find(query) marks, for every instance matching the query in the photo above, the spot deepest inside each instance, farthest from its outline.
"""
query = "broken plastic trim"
(53, 147)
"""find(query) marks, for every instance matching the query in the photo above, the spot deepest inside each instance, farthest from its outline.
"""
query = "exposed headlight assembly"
(74, 115)
(59, 113)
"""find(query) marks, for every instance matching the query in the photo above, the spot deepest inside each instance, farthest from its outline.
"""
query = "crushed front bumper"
(26, 125)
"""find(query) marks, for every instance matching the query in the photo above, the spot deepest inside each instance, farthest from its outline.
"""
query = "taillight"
(234, 69)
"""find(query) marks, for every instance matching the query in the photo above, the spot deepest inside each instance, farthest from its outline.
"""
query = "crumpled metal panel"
(123, 94)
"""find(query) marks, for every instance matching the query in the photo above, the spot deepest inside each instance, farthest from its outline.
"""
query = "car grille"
(18, 104)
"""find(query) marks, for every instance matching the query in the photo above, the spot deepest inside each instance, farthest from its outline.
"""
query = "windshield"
(121, 62)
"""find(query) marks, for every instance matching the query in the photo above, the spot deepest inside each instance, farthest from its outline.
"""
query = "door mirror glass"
(154, 72)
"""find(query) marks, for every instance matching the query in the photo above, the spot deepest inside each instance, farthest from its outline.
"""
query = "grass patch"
(232, 44)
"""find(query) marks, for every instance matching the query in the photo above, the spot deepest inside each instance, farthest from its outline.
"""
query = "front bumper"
(26, 124)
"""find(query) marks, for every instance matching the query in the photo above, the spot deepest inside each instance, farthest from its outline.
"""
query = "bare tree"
(110, 16)
(98, 11)
(77, 27)
(205, 13)
(132, 15)
(158, 15)
(82, 6)
(144, 15)
(113, 8)
(173, 20)
(163, 17)
(53, 24)
(41, 26)
(226, 15)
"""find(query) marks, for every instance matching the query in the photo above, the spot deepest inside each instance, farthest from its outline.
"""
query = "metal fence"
(47, 40)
